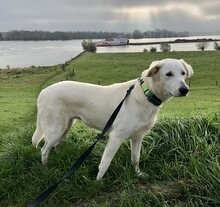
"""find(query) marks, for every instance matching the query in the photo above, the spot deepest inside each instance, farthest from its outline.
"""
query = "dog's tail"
(37, 136)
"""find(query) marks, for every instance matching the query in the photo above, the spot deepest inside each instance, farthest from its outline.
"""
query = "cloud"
(110, 15)
(175, 16)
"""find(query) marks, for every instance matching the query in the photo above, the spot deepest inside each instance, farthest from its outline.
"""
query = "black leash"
(40, 198)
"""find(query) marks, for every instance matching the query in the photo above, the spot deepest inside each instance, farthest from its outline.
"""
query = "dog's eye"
(183, 73)
(169, 74)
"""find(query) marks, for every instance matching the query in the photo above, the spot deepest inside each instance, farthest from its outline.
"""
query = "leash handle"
(40, 198)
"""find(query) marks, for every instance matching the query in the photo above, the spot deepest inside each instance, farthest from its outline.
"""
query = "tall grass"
(180, 156)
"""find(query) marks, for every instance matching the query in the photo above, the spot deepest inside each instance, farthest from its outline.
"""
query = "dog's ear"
(187, 67)
(153, 69)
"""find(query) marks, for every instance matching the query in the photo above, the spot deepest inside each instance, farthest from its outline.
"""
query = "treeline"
(158, 33)
(45, 35)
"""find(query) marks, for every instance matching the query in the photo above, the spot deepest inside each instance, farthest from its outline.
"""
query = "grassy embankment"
(181, 155)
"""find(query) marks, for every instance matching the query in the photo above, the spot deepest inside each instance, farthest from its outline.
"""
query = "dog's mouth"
(177, 94)
(181, 95)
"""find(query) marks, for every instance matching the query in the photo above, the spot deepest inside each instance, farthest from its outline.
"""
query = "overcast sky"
(110, 15)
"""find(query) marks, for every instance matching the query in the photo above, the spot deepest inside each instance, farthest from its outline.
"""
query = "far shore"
(177, 41)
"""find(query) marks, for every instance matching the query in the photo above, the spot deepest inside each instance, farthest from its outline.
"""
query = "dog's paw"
(99, 182)
(44, 161)
(142, 175)
(99, 179)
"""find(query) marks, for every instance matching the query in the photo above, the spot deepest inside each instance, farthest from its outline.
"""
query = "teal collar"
(149, 94)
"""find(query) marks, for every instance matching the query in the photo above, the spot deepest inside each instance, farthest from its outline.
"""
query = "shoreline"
(62, 65)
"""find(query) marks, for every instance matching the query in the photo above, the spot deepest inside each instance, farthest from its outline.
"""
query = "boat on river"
(113, 42)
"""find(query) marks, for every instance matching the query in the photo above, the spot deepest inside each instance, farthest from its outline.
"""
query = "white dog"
(61, 103)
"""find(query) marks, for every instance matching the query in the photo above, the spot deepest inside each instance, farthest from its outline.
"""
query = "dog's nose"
(183, 91)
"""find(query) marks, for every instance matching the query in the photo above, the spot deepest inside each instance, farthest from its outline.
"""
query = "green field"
(180, 155)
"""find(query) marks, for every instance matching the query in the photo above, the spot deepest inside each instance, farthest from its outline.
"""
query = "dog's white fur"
(61, 103)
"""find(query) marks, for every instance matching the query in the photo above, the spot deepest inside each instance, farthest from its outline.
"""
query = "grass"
(180, 155)
(18, 92)
(182, 165)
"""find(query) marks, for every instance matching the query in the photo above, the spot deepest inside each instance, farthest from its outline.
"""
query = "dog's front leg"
(111, 148)
(136, 142)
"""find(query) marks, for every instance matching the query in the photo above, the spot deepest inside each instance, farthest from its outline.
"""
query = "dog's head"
(169, 76)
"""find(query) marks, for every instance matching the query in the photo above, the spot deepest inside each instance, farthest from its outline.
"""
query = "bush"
(145, 50)
(216, 46)
(165, 47)
(153, 49)
(89, 46)
(202, 45)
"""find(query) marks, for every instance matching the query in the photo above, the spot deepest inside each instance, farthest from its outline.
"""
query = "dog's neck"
(152, 98)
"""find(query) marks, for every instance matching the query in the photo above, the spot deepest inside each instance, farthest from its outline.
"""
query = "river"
(14, 54)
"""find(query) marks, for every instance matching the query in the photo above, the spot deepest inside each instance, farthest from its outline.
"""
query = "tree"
(137, 34)
(153, 49)
(1, 37)
(89, 45)
(202, 45)
(165, 47)
(216, 46)
(164, 33)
